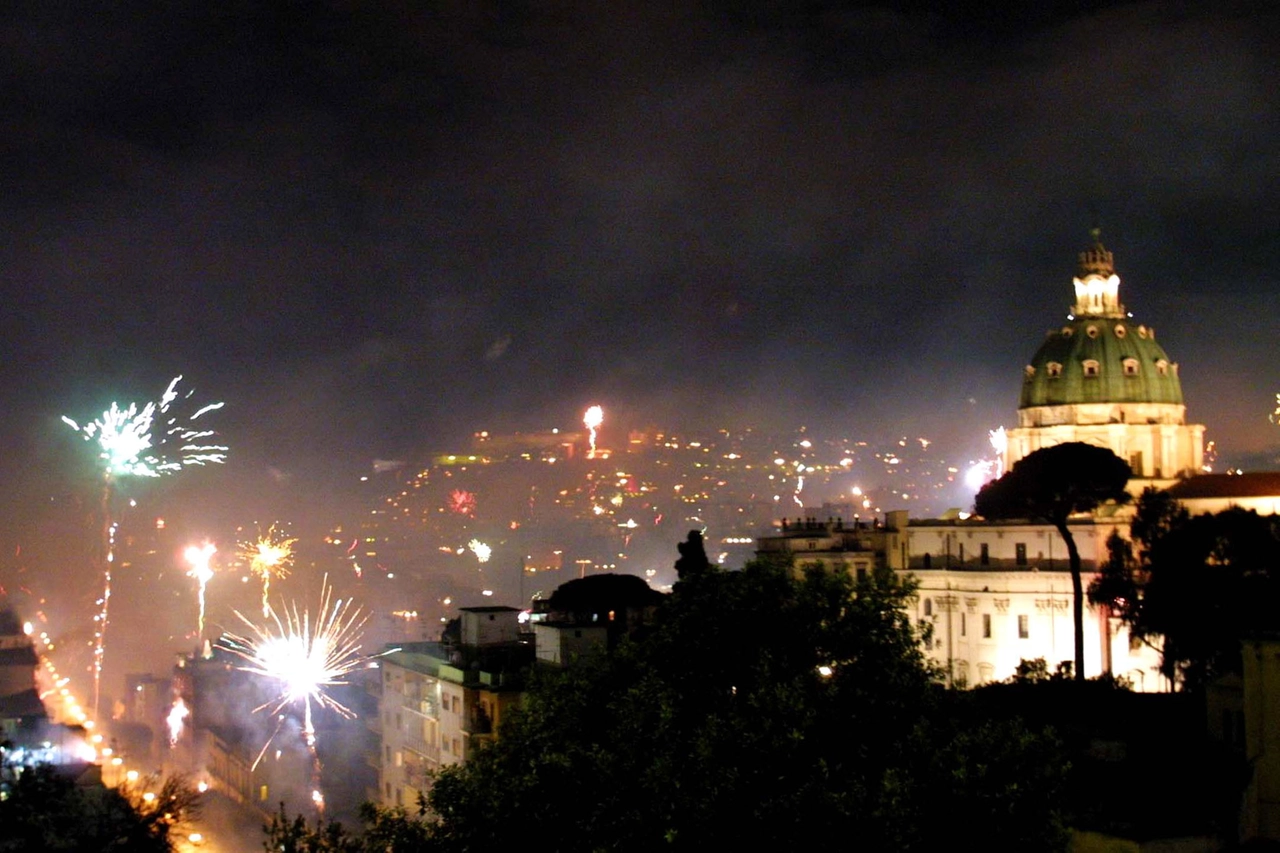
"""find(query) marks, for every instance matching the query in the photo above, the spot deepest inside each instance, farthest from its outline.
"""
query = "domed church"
(1105, 380)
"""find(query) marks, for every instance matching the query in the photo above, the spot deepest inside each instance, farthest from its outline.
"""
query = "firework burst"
(301, 657)
(269, 556)
(130, 446)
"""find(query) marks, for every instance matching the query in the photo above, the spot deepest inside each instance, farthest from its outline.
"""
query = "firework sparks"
(199, 556)
(999, 439)
(482, 551)
(462, 502)
(129, 447)
(302, 657)
(174, 721)
(591, 420)
(270, 556)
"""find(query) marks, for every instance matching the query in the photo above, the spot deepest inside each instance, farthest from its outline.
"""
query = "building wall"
(561, 644)
(409, 710)
(1262, 738)
(993, 594)
(431, 715)
(985, 623)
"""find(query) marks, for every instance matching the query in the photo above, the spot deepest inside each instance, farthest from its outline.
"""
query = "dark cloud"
(376, 227)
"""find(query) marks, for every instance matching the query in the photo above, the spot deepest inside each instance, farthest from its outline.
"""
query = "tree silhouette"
(1052, 484)
(1196, 587)
(693, 556)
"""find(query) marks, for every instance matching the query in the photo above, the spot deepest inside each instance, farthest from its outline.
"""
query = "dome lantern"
(1096, 282)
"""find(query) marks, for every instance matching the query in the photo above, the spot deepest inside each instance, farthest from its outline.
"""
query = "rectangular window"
(1020, 553)
(984, 556)
(1024, 627)
(862, 575)
(986, 626)
(962, 624)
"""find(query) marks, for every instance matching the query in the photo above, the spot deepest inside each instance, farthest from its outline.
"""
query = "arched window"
(1130, 366)
(1053, 369)
(1029, 372)
(1090, 367)
(1162, 367)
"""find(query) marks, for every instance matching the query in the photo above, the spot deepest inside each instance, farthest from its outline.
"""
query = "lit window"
(1053, 369)
(1130, 367)
(1090, 367)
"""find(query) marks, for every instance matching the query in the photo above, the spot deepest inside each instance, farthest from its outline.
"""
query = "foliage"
(1195, 586)
(1052, 484)
(693, 556)
(45, 809)
(383, 830)
(722, 728)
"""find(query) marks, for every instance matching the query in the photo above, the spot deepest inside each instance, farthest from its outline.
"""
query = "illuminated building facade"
(1103, 380)
(992, 595)
(438, 701)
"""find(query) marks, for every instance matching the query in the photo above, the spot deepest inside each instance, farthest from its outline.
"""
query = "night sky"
(373, 228)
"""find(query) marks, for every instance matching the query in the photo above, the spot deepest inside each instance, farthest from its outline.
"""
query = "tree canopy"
(765, 707)
(1051, 485)
(772, 707)
(1194, 586)
(43, 808)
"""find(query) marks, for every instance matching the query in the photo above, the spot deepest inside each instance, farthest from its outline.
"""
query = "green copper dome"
(1100, 360)
(1100, 356)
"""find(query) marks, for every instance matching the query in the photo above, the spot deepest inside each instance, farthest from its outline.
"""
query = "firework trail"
(269, 556)
(591, 420)
(303, 656)
(482, 551)
(129, 446)
(198, 556)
